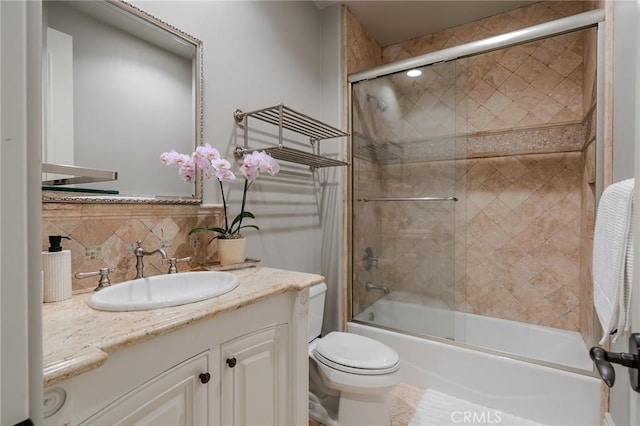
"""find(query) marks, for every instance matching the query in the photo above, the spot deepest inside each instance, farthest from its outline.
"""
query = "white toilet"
(349, 375)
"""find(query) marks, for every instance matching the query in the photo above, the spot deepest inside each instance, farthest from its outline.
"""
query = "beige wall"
(497, 24)
(587, 189)
(524, 219)
(533, 84)
(104, 235)
(362, 51)
(366, 224)
(522, 238)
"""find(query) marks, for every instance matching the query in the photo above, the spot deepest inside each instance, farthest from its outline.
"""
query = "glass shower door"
(404, 205)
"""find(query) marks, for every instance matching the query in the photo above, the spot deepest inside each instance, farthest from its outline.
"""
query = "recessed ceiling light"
(414, 73)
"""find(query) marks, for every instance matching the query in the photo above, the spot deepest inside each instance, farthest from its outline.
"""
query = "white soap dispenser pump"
(56, 271)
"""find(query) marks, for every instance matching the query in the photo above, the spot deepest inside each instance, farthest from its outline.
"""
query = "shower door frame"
(594, 18)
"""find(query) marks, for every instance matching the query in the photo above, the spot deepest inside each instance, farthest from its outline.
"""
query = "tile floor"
(403, 401)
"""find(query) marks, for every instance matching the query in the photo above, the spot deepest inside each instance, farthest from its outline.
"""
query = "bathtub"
(537, 391)
(537, 342)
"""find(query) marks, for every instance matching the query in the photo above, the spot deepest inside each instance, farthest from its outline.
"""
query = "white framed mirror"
(121, 87)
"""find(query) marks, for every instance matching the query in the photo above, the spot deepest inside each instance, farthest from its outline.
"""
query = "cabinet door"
(176, 397)
(254, 379)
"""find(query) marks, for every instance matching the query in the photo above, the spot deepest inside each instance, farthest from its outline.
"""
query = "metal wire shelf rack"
(286, 118)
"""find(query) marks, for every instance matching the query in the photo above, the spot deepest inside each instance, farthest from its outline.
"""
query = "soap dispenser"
(56, 270)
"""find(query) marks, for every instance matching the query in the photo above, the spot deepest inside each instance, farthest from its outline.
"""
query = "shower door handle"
(603, 360)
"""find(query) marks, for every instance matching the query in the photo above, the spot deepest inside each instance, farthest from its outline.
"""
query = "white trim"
(547, 29)
(14, 368)
(33, 200)
(1, 62)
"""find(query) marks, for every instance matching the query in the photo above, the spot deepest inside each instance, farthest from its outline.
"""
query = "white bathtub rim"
(564, 347)
(482, 349)
(548, 395)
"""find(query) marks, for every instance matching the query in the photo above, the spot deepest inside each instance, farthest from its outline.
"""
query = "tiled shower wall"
(516, 229)
(104, 235)
(526, 100)
(587, 187)
(500, 23)
(361, 52)
(522, 238)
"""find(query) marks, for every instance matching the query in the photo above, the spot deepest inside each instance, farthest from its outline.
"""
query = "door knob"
(231, 362)
(204, 377)
(603, 359)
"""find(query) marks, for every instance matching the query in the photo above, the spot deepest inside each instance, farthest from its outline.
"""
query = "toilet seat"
(352, 353)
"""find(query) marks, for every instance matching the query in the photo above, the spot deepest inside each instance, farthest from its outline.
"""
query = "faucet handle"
(104, 277)
(369, 260)
(172, 261)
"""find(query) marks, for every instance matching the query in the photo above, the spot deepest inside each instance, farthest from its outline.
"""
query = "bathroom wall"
(259, 54)
(361, 50)
(523, 229)
(523, 222)
(333, 261)
(512, 20)
(516, 229)
(519, 131)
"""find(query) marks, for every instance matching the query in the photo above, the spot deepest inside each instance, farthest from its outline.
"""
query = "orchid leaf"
(241, 216)
(213, 229)
(249, 226)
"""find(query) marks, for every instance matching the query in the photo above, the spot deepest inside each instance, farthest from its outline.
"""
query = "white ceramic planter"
(231, 250)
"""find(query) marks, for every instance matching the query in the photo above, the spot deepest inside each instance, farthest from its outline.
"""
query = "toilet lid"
(354, 353)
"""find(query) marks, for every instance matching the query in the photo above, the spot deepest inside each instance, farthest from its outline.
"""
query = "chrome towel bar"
(366, 200)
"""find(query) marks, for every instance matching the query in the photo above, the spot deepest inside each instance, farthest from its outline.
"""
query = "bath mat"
(439, 409)
(403, 402)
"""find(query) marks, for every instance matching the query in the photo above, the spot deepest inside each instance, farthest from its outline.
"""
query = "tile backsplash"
(104, 235)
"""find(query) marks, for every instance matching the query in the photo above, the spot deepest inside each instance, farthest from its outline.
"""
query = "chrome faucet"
(371, 286)
(141, 253)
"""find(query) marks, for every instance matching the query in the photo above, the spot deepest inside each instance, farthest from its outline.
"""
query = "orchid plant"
(211, 163)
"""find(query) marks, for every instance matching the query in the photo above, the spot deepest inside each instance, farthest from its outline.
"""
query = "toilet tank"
(316, 309)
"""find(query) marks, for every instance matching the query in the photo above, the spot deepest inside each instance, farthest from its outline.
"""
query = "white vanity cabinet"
(242, 367)
(254, 378)
(176, 397)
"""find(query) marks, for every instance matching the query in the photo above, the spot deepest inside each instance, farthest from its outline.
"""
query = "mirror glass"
(121, 87)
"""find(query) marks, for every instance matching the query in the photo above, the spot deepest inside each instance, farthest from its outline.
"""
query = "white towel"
(613, 258)
(439, 409)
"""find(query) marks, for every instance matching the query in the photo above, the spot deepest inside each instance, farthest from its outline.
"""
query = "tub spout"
(371, 286)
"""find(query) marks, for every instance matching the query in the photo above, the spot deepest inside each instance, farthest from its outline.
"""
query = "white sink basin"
(161, 291)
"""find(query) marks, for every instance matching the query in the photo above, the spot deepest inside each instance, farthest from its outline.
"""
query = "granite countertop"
(77, 338)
